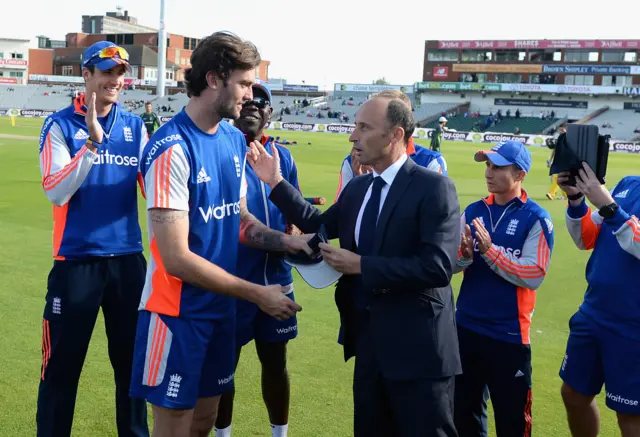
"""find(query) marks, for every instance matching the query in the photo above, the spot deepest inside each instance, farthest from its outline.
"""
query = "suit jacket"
(407, 279)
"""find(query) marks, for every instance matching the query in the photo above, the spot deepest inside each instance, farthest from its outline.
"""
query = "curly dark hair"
(220, 53)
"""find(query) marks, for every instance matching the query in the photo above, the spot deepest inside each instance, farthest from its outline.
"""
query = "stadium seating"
(620, 123)
(25, 97)
(527, 125)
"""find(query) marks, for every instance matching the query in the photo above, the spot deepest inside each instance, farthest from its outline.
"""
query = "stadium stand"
(342, 107)
(475, 122)
(620, 124)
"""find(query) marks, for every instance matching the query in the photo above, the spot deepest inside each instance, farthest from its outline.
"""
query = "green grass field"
(321, 381)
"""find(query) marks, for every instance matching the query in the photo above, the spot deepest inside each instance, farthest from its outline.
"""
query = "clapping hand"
(91, 120)
(482, 236)
(466, 244)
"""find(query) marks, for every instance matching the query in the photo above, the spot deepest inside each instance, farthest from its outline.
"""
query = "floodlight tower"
(162, 52)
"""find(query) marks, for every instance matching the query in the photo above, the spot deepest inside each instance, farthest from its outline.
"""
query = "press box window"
(578, 79)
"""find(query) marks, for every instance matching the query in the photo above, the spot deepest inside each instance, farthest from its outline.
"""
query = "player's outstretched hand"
(91, 119)
(266, 166)
(274, 302)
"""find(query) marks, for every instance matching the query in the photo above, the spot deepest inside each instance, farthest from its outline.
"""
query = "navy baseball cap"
(507, 153)
(262, 85)
(105, 55)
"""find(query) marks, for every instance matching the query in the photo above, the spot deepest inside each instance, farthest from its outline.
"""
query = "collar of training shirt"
(521, 200)
(80, 109)
(411, 147)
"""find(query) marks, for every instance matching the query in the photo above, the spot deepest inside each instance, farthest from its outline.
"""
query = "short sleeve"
(167, 180)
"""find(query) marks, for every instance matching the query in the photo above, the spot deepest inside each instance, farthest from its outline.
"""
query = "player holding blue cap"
(505, 252)
(89, 160)
(260, 267)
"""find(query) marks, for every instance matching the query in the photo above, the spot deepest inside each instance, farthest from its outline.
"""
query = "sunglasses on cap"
(110, 53)
(258, 102)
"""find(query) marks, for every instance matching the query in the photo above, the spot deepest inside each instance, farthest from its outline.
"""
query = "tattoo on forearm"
(255, 234)
(167, 216)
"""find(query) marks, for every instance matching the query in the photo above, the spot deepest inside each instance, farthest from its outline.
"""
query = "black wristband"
(574, 196)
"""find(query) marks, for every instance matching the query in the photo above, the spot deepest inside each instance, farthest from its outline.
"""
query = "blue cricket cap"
(507, 153)
(262, 85)
(92, 57)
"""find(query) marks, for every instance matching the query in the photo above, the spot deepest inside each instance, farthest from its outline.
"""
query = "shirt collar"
(264, 139)
(520, 200)
(392, 171)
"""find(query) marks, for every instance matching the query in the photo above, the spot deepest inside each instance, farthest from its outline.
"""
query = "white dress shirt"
(388, 176)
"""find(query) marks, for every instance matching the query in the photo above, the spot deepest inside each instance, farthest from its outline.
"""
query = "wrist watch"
(608, 211)
(93, 143)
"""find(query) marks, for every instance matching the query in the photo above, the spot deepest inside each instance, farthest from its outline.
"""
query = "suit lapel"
(357, 199)
(398, 187)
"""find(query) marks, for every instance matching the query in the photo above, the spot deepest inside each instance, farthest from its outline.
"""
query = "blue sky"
(343, 40)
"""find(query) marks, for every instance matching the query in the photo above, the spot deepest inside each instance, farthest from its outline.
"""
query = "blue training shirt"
(498, 292)
(94, 195)
(187, 169)
(612, 298)
(256, 265)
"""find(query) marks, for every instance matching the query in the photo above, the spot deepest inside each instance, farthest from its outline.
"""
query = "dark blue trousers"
(504, 370)
(413, 408)
(76, 291)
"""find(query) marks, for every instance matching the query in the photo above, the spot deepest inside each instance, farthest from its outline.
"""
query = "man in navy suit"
(398, 249)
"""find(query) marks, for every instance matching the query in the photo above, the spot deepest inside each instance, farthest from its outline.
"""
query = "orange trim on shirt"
(59, 224)
(166, 290)
(411, 147)
(526, 304)
(79, 105)
(589, 230)
(162, 180)
(634, 224)
(492, 197)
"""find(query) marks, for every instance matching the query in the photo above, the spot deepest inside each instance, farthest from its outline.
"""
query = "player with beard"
(260, 267)
(194, 173)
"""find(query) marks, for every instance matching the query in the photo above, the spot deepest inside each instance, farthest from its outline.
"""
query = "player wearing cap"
(194, 168)
(422, 156)
(264, 268)
(436, 136)
(604, 333)
(89, 160)
(505, 252)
